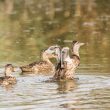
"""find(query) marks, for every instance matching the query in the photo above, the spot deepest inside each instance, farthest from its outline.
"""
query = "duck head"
(9, 69)
(75, 47)
(53, 52)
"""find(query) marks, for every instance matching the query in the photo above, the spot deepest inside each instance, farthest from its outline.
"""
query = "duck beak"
(81, 44)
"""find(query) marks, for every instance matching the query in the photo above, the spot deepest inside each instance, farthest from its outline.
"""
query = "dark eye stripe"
(74, 42)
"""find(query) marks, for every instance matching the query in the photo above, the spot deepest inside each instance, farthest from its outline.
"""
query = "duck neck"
(8, 72)
(45, 58)
(75, 50)
(67, 58)
(64, 57)
(58, 52)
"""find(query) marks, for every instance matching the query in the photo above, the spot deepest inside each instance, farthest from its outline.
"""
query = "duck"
(8, 79)
(68, 64)
(44, 66)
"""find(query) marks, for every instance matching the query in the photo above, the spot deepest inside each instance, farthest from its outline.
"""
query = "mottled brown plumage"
(44, 66)
(66, 68)
(68, 65)
(8, 79)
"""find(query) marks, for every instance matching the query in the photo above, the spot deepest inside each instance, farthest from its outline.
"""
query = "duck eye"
(51, 48)
(55, 47)
(63, 51)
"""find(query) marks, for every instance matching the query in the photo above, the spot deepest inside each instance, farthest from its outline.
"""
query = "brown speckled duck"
(67, 66)
(44, 66)
(8, 79)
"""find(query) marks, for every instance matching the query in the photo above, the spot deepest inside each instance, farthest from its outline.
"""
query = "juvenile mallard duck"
(44, 66)
(8, 79)
(68, 64)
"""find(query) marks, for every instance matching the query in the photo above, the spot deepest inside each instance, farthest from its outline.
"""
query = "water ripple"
(31, 92)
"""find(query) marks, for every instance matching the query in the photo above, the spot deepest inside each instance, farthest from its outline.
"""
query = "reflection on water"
(31, 92)
(29, 26)
(66, 86)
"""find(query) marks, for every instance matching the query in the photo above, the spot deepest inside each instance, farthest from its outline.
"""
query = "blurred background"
(29, 26)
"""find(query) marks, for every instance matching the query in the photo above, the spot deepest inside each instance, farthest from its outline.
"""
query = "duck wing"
(29, 67)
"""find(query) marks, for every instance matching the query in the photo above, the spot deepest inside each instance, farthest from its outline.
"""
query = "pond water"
(90, 92)
(29, 26)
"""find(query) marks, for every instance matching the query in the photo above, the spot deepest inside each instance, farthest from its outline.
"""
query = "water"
(29, 26)
(32, 92)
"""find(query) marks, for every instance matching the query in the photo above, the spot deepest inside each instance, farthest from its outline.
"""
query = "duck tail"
(26, 69)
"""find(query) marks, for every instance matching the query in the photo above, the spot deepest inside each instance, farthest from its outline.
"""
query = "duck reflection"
(9, 87)
(65, 86)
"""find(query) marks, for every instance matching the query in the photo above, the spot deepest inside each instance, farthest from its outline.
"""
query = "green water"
(29, 26)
